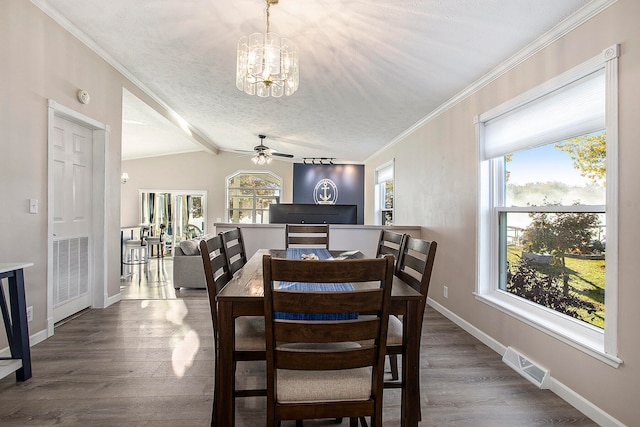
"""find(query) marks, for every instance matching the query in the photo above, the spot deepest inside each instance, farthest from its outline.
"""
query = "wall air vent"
(525, 367)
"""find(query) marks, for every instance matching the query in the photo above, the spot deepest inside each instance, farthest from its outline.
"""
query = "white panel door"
(72, 217)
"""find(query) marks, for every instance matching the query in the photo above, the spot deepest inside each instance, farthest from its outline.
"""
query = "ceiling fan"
(263, 153)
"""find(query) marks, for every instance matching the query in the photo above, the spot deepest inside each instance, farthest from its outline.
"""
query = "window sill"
(575, 333)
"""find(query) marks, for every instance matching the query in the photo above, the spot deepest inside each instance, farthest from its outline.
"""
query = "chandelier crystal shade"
(267, 64)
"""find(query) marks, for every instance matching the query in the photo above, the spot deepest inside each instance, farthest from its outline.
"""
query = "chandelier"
(267, 64)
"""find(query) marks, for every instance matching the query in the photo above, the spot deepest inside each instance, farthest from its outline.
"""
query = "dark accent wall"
(309, 187)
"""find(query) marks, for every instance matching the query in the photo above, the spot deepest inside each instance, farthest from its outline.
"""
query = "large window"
(547, 230)
(384, 196)
(552, 237)
(249, 195)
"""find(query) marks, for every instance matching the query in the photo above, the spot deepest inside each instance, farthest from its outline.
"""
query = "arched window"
(249, 195)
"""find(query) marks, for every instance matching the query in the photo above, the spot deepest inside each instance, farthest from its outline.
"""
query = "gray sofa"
(188, 271)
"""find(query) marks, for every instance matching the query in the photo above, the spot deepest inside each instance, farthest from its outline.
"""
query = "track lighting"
(318, 160)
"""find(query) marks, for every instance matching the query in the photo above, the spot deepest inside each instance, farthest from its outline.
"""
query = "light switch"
(33, 206)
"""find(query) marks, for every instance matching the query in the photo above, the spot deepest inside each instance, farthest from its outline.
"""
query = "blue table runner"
(322, 254)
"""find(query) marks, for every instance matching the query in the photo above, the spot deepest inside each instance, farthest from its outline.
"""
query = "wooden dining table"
(244, 296)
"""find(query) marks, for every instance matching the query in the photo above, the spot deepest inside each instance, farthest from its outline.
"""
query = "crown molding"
(563, 28)
(194, 134)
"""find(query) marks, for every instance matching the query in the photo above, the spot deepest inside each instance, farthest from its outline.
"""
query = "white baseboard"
(34, 339)
(583, 405)
(113, 299)
(38, 337)
(561, 390)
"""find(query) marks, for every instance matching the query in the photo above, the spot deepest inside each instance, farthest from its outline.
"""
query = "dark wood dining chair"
(249, 330)
(307, 235)
(391, 242)
(234, 249)
(316, 368)
(414, 268)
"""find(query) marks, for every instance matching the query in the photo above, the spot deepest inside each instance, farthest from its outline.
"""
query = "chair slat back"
(415, 266)
(300, 331)
(234, 249)
(307, 234)
(216, 272)
(390, 242)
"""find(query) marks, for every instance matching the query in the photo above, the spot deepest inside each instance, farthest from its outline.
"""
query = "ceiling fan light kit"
(267, 64)
(263, 154)
(261, 159)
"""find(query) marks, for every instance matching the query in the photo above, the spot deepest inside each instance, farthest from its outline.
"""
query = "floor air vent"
(534, 373)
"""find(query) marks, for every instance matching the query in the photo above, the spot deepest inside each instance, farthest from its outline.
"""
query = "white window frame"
(245, 172)
(599, 343)
(379, 190)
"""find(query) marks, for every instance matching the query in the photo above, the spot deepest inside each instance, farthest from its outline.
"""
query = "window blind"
(572, 110)
(385, 173)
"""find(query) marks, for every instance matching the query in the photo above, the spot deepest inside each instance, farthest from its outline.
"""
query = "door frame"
(99, 202)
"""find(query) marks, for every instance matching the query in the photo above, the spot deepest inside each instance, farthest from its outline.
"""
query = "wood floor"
(148, 361)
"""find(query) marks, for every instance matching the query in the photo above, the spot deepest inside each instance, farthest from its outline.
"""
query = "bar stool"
(156, 242)
(136, 252)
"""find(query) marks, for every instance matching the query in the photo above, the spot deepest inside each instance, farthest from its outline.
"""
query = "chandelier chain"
(268, 14)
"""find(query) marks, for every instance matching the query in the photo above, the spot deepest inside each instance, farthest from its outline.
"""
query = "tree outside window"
(249, 195)
(387, 202)
(555, 198)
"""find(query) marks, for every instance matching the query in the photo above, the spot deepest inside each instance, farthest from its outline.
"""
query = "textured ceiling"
(369, 70)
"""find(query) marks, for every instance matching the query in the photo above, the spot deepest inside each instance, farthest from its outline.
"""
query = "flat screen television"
(299, 213)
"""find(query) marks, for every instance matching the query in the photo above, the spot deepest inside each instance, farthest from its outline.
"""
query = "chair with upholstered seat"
(307, 235)
(316, 368)
(249, 330)
(414, 268)
(234, 249)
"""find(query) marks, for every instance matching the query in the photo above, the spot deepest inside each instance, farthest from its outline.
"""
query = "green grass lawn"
(586, 280)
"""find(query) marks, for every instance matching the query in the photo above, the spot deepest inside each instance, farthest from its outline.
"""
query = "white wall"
(193, 171)
(436, 187)
(41, 61)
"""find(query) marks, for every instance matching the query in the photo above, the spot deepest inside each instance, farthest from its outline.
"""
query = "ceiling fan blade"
(261, 148)
(282, 155)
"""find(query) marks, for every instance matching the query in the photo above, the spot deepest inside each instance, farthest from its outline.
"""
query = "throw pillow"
(190, 247)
